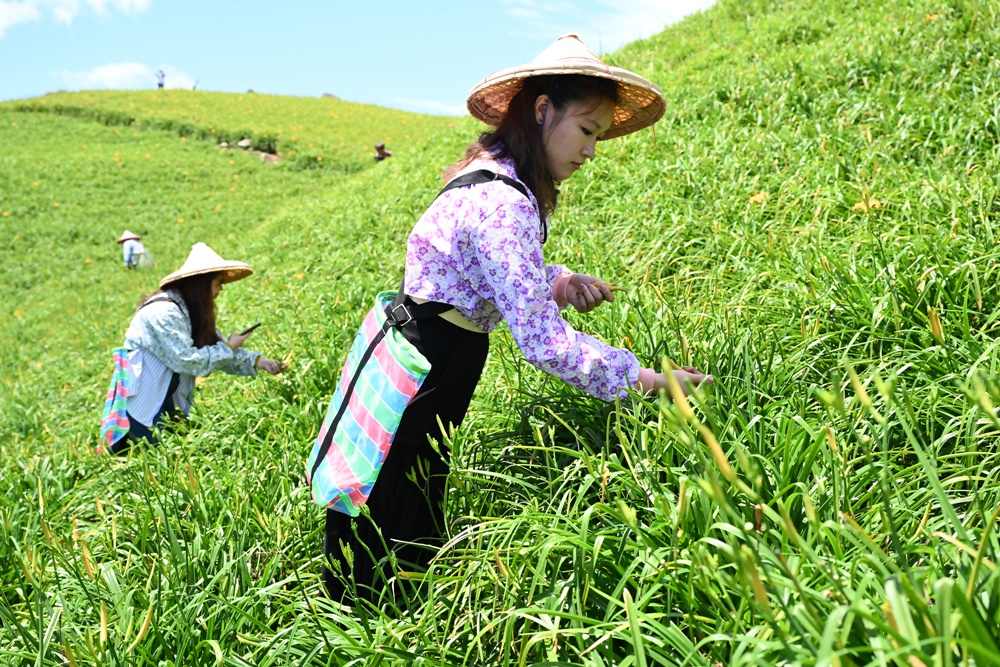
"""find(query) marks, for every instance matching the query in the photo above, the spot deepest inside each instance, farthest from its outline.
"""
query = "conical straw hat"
(205, 260)
(640, 102)
(128, 235)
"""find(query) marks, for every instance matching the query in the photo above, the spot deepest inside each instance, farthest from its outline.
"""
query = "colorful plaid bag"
(114, 422)
(382, 374)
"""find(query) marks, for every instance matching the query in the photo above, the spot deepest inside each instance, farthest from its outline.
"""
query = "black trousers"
(405, 502)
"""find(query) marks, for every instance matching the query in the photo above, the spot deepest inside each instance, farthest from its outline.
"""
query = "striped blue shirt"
(159, 343)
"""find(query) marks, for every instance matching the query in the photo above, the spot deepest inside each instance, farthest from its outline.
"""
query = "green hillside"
(813, 222)
(307, 132)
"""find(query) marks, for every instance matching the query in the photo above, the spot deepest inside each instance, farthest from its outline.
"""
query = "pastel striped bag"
(382, 374)
(114, 421)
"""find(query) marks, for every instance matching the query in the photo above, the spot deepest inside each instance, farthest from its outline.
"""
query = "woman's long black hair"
(197, 294)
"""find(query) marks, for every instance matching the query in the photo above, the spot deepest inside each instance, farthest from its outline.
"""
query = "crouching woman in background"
(172, 340)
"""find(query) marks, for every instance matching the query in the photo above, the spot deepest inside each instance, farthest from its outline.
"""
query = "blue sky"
(418, 56)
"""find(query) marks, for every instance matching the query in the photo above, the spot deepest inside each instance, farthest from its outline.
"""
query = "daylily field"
(815, 222)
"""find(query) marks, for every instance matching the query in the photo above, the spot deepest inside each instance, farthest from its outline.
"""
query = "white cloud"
(112, 75)
(123, 76)
(524, 13)
(432, 106)
(65, 11)
(12, 13)
(628, 20)
(545, 17)
(174, 78)
(609, 25)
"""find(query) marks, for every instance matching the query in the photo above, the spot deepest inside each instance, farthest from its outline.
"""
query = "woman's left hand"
(587, 292)
(270, 365)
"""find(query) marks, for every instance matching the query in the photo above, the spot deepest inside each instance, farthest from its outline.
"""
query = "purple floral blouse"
(479, 249)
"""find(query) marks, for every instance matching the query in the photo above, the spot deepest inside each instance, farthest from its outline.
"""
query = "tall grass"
(814, 223)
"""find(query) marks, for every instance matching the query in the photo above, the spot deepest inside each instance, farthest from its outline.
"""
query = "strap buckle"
(395, 317)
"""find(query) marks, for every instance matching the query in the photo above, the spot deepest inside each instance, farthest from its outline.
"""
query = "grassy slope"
(583, 533)
(305, 131)
(73, 184)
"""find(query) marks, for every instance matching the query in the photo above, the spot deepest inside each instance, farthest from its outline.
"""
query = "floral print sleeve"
(509, 253)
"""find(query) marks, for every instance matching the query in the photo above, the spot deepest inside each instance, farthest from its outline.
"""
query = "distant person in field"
(381, 153)
(160, 78)
(132, 249)
(172, 340)
(478, 249)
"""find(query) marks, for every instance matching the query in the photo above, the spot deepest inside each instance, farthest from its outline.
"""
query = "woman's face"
(572, 140)
(216, 286)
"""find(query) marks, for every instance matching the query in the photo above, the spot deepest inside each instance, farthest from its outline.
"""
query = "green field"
(814, 222)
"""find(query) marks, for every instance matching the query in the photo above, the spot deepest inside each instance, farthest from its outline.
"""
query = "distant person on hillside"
(160, 78)
(381, 153)
(473, 259)
(172, 340)
(132, 249)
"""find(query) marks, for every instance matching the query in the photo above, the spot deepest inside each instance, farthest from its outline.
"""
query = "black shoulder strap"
(162, 297)
(487, 176)
(483, 176)
(158, 299)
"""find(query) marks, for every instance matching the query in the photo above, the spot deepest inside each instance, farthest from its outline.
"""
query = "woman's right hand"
(236, 341)
(270, 365)
(687, 377)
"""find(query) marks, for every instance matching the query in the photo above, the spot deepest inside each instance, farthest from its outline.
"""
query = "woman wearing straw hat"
(478, 248)
(132, 249)
(172, 340)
